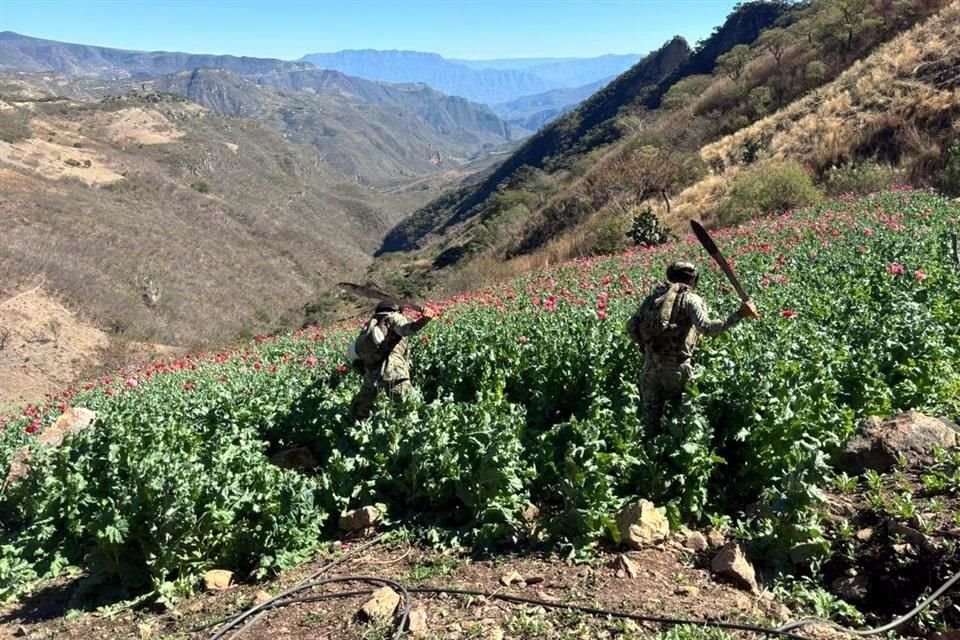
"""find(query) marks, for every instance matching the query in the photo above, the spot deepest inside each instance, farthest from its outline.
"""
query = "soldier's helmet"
(681, 271)
(387, 306)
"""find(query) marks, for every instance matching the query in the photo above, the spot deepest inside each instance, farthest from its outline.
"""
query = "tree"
(842, 21)
(734, 61)
(776, 42)
(685, 92)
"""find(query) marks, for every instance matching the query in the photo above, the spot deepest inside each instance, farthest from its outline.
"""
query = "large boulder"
(913, 435)
(361, 519)
(641, 524)
(71, 422)
(382, 604)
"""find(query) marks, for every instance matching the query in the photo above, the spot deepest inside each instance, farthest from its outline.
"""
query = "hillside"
(579, 185)
(527, 444)
(159, 220)
(532, 112)
(374, 133)
(23, 53)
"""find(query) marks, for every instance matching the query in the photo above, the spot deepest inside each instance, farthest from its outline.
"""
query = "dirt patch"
(140, 126)
(44, 345)
(56, 161)
(669, 582)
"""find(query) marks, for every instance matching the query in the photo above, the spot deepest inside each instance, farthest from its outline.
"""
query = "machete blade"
(714, 252)
(376, 294)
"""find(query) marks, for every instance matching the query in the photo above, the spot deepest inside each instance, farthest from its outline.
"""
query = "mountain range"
(487, 81)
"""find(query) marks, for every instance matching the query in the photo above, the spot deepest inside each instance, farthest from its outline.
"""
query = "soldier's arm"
(696, 310)
(403, 327)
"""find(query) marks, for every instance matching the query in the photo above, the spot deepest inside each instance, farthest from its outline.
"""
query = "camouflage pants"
(366, 398)
(660, 384)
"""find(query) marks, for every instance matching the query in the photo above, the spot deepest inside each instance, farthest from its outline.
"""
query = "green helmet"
(681, 271)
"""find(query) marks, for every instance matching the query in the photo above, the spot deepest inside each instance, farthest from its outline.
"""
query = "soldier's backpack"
(367, 349)
(656, 316)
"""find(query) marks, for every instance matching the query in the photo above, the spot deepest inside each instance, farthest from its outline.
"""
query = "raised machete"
(376, 294)
(714, 252)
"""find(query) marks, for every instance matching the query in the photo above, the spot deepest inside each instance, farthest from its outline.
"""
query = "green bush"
(647, 231)
(608, 234)
(864, 177)
(771, 188)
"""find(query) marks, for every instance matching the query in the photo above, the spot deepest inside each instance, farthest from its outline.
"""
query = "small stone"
(624, 567)
(864, 535)
(731, 563)
(508, 579)
(144, 630)
(217, 579)
(852, 588)
(911, 535)
(687, 590)
(495, 633)
(531, 580)
(20, 631)
(530, 513)
(359, 519)
(381, 605)
(417, 623)
(715, 538)
(696, 541)
(261, 597)
(641, 524)
(297, 458)
(743, 603)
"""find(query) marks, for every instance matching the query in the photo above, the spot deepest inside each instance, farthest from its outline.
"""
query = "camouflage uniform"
(393, 375)
(667, 360)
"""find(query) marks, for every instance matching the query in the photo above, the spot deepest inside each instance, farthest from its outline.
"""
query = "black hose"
(887, 627)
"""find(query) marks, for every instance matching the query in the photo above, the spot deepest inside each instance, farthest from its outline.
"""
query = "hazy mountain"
(508, 63)
(23, 53)
(532, 112)
(577, 73)
(375, 133)
(481, 85)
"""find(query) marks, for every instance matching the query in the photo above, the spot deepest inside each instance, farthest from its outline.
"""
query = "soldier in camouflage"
(667, 358)
(393, 373)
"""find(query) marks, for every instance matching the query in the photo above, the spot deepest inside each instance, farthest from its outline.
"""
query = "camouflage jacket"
(397, 328)
(691, 319)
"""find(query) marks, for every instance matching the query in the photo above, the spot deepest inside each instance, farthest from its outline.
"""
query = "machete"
(714, 252)
(370, 292)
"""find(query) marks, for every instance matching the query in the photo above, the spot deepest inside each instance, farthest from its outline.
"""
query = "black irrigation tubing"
(243, 615)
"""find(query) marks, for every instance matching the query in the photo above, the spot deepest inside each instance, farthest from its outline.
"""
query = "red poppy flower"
(787, 313)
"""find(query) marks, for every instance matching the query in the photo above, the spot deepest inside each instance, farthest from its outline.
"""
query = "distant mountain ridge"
(486, 81)
(533, 112)
(24, 53)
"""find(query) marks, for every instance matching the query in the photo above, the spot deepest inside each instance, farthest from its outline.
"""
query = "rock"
(912, 536)
(641, 524)
(624, 567)
(71, 422)
(688, 591)
(530, 513)
(715, 538)
(217, 579)
(260, 597)
(296, 458)
(508, 579)
(381, 605)
(144, 630)
(495, 633)
(360, 519)
(952, 634)
(864, 535)
(531, 580)
(696, 541)
(879, 442)
(742, 603)
(732, 564)
(853, 589)
(417, 623)
(20, 631)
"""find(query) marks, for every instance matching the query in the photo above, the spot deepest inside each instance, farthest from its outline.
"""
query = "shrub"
(646, 230)
(607, 234)
(772, 188)
(864, 177)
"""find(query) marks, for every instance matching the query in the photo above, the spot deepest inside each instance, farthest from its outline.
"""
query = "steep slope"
(23, 53)
(488, 86)
(163, 221)
(376, 134)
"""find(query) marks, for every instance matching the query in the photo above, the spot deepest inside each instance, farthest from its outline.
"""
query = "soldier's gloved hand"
(749, 310)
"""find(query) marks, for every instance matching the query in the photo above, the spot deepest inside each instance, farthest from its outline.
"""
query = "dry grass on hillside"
(890, 104)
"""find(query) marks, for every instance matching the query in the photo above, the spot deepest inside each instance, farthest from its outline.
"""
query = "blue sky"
(288, 29)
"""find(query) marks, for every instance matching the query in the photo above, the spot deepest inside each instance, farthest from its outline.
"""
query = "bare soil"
(671, 581)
